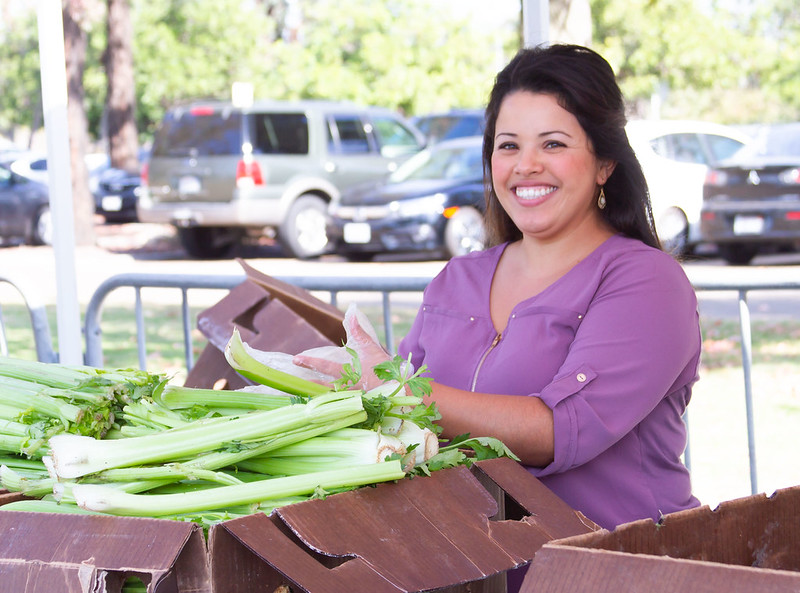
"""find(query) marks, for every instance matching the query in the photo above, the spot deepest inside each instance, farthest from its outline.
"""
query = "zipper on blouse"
(491, 347)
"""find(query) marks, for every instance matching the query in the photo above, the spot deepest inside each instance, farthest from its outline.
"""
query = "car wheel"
(738, 254)
(304, 233)
(42, 229)
(673, 231)
(464, 232)
(208, 242)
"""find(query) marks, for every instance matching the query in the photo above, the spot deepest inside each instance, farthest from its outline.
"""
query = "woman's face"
(544, 170)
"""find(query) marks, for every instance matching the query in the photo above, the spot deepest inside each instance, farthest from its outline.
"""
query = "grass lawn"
(717, 415)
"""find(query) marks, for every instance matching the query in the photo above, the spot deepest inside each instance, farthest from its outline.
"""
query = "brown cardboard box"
(745, 545)
(444, 532)
(457, 530)
(270, 315)
(53, 553)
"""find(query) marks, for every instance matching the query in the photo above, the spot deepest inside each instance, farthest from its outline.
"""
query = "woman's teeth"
(531, 193)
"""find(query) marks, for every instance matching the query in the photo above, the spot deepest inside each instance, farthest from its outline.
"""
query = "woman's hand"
(362, 339)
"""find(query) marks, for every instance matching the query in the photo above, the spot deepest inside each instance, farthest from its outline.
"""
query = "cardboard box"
(458, 530)
(53, 553)
(445, 532)
(743, 546)
(270, 315)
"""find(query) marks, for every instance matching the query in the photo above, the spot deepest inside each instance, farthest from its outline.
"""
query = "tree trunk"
(121, 94)
(75, 44)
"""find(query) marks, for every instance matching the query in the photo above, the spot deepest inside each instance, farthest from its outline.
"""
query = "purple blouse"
(612, 347)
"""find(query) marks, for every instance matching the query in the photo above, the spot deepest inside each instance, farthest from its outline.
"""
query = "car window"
(394, 138)
(39, 165)
(199, 133)
(5, 177)
(347, 135)
(686, 148)
(662, 146)
(446, 127)
(721, 147)
(280, 133)
(456, 163)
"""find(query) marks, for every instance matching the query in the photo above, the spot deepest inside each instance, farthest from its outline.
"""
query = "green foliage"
(703, 59)
(717, 64)
(20, 78)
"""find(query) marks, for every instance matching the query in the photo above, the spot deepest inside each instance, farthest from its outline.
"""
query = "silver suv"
(219, 173)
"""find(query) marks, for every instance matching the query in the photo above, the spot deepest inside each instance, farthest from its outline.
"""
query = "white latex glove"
(361, 338)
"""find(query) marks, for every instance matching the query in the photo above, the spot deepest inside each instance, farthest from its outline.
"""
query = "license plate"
(748, 225)
(111, 203)
(189, 184)
(357, 232)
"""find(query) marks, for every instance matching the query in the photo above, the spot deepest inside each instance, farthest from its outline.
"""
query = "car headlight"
(433, 204)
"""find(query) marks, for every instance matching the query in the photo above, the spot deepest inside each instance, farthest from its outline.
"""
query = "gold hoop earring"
(601, 199)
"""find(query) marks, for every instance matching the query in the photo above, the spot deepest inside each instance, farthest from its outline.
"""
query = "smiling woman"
(573, 338)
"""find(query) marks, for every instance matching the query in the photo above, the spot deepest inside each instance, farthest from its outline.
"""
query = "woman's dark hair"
(584, 84)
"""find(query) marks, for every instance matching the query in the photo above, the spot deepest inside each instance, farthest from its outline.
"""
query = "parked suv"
(219, 172)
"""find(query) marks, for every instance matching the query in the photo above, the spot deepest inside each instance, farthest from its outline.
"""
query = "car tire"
(464, 232)
(304, 232)
(673, 228)
(208, 242)
(738, 254)
(42, 227)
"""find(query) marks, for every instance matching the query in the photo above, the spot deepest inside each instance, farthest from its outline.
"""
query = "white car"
(675, 156)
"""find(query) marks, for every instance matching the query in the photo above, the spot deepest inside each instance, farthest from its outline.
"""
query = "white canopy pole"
(535, 22)
(54, 104)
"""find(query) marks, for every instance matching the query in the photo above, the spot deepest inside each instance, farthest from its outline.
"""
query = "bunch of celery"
(127, 442)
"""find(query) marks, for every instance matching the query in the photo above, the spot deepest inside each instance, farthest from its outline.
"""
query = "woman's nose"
(528, 163)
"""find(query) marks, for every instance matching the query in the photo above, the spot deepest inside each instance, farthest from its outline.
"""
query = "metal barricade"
(40, 324)
(332, 285)
(757, 279)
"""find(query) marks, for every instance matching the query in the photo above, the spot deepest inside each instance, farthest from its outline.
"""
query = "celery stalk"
(176, 397)
(244, 360)
(109, 500)
(74, 456)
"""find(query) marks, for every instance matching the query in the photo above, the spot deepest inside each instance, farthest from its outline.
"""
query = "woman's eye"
(553, 144)
(506, 146)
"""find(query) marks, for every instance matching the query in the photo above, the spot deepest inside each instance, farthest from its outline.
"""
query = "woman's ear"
(605, 170)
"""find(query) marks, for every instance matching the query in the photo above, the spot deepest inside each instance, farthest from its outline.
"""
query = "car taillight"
(794, 215)
(201, 110)
(790, 176)
(145, 173)
(715, 177)
(248, 173)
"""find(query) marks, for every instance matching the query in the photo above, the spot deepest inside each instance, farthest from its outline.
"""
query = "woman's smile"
(533, 193)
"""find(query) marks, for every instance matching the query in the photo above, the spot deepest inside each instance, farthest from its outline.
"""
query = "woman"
(574, 338)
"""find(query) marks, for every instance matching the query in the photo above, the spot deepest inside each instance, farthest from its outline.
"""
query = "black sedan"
(116, 195)
(433, 203)
(751, 202)
(24, 210)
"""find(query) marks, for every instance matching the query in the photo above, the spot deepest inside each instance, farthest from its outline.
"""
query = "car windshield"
(776, 140)
(199, 132)
(461, 162)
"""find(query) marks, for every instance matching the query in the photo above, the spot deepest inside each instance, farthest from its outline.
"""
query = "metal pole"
(747, 364)
(535, 22)
(54, 104)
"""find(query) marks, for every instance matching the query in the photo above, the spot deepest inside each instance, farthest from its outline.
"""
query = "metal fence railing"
(705, 281)
(40, 324)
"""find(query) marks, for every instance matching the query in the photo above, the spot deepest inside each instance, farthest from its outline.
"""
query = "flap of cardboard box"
(418, 534)
(326, 317)
(747, 544)
(263, 321)
(46, 552)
